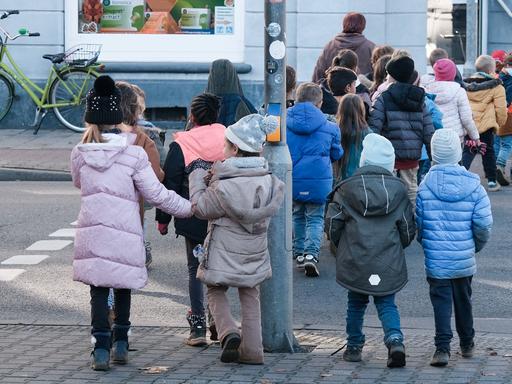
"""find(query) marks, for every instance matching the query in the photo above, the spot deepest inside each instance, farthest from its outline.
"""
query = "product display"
(157, 16)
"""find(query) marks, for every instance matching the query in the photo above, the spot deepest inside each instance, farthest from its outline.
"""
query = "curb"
(24, 174)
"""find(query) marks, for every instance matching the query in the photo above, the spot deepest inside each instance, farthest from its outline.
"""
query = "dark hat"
(103, 103)
(338, 78)
(401, 68)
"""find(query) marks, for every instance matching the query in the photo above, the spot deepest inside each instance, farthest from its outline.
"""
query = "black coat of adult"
(176, 179)
(376, 222)
(400, 115)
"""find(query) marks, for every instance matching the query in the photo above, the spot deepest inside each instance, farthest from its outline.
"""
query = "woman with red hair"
(351, 38)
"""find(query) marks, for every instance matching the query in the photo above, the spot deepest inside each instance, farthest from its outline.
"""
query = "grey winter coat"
(400, 115)
(239, 201)
(372, 219)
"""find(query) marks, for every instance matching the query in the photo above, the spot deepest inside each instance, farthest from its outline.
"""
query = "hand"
(478, 143)
(163, 228)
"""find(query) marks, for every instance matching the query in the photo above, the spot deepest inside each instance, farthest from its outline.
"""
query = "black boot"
(197, 336)
(120, 346)
(396, 354)
(230, 345)
(100, 356)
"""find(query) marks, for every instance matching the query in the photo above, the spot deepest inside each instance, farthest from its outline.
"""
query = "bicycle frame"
(39, 95)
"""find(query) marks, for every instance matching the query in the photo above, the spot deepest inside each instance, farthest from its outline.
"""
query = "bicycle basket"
(82, 55)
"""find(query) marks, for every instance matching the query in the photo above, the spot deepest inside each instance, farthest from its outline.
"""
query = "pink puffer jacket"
(109, 247)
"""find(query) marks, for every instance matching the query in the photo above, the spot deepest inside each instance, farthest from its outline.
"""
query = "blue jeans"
(388, 316)
(503, 149)
(308, 228)
(445, 293)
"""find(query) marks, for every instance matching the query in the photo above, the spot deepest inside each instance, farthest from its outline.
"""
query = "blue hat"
(378, 151)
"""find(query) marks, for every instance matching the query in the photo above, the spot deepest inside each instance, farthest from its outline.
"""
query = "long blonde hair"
(93, 133)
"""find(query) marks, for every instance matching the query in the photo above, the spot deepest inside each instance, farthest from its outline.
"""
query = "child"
(379, 75)
(352, 123)
(205, 140)
(314, 144)
(109, 248)
(341, 81)
(238, 197)
(452, 100)
(401, 115)
(488, 103)
(375, 219)
(503, 140)
(436, 55)
(454, 221)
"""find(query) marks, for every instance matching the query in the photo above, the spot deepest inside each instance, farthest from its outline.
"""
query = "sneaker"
(467, 351)
(353, 354)
(149, 257)
(396, 354)
(230, 345)
(120, 352)
(100, 359)
(311, 266)
(493, 186)
(197, 337)
(500, 175)
(440, 358)
(300, 260)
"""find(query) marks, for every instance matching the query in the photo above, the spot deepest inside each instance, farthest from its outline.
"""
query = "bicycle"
(71, 76)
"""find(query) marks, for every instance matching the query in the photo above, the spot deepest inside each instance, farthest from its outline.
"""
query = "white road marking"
(74, 223)
(10, 274)
(64, 232)
(49, 245)
(24, 260)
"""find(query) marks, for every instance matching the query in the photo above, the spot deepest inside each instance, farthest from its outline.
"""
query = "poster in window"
(209, 17)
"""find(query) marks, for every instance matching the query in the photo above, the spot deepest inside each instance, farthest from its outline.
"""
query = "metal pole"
(471, 36)
(276, 293)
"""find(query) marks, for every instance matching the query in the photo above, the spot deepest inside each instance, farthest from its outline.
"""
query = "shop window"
(447, 28)
(158, 30)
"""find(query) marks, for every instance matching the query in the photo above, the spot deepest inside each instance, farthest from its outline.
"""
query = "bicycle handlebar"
(6, 14)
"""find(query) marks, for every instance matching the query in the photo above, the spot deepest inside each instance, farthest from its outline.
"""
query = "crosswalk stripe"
(64, 232)
(49, 245)
(10, 274)
(24, 260)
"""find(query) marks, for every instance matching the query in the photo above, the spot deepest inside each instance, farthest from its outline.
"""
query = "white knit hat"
(249, 133)
(446, 147)
(378, 151)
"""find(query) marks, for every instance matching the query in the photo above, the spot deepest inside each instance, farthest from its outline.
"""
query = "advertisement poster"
(157, 16)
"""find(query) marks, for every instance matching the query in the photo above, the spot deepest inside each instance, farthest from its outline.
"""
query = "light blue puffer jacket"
(454, 221)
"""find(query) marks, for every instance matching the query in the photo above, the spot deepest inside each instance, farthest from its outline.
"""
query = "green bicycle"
(71, 76)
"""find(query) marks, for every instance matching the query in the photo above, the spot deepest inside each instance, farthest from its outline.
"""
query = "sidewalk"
(59, 354)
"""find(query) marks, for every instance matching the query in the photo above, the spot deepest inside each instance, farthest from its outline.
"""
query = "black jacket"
(176, 179)
(372, 219)
(400, 115)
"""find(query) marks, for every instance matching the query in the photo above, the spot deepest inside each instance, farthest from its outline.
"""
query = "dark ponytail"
(205, 109)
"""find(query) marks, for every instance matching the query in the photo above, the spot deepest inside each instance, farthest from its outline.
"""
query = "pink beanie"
(445, 70)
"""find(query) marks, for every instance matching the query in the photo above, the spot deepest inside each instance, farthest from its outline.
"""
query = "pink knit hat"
(445, 70)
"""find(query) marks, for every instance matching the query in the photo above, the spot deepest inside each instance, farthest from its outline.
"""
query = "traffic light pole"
(277, 293)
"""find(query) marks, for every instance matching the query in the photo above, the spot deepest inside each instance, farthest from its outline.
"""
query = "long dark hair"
(352, 122)
(379, 73)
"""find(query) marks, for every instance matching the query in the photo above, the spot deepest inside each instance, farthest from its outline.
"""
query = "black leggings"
(195, 286)
(99, 309)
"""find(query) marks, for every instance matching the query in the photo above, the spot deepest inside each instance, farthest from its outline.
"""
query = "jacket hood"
(205, 142)
(480, 83)
(445, 91)
(223, 79)
(263, 208)
(350, 40)
(374, 191)
(451, 182)
(101, 156)
(305, 118)
(407, 96)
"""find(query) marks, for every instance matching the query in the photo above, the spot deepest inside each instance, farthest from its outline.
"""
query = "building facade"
(172, 68)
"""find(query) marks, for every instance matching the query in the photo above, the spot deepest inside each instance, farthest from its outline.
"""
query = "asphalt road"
(46, 294)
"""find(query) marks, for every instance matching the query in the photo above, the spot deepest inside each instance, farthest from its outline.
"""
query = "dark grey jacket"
(400, 115)
(373, 224)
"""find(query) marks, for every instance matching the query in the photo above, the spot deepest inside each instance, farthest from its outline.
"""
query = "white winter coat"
(453, 102)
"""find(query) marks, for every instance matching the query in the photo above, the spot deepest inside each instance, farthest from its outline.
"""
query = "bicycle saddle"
(55, 59)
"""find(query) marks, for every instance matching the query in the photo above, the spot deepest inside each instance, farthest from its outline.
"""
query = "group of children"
(355, 176)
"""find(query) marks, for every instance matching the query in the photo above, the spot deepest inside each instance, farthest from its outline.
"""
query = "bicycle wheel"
(6, 96)
(64, 90)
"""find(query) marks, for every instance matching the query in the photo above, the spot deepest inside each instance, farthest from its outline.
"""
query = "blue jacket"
(454, 221)
(437, 118)
(314, 144)
(507, 83)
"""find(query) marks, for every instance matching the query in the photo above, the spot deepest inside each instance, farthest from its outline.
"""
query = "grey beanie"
(446, 147)
(378, 151)
(249, 133)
